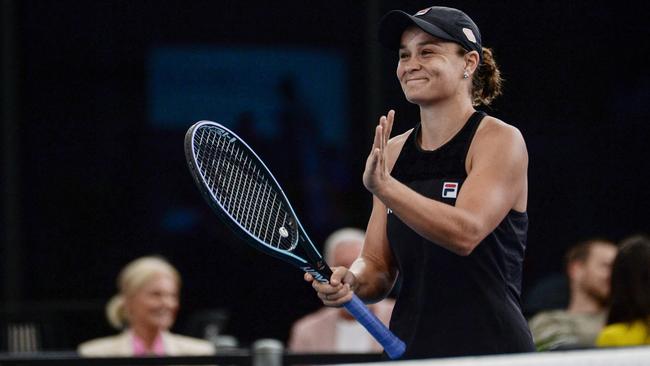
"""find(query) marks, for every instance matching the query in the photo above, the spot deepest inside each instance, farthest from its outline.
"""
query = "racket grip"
(393, 346)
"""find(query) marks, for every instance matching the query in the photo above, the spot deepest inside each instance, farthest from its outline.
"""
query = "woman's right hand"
(377, 173)
(339, 290)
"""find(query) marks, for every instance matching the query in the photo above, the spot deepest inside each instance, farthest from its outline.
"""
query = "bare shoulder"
(399, 139)
(395, 145)
(499, 137)
(495, 128)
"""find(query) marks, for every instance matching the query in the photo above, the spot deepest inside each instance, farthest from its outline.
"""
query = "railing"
(236, 358)
(630, 356)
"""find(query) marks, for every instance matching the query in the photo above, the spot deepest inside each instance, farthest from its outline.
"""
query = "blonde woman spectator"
(145, 309)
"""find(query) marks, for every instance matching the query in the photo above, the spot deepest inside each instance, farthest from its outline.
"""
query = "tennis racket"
(245, 195)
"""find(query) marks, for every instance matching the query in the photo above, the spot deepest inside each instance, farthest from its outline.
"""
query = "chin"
(419, 100)
(418, 96)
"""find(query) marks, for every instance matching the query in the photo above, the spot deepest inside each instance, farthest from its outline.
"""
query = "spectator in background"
(145, 309)
(628, 322)
(333, 329)
(588, 267)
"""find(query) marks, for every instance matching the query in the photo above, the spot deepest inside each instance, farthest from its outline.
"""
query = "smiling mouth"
(415, 80)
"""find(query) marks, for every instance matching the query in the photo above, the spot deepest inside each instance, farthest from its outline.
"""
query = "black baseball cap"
(442, 22)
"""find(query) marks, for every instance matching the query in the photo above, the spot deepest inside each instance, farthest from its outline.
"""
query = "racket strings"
(243, 189)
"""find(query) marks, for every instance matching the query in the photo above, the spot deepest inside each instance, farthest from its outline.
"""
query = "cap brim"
(393, 24)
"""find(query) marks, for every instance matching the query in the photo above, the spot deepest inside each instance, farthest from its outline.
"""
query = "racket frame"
(314, 264)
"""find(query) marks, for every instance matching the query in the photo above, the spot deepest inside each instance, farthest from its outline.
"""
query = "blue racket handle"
(393, 346)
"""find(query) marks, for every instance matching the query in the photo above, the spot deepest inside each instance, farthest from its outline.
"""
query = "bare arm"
(375, 271)
(495, 184)
(373, 274)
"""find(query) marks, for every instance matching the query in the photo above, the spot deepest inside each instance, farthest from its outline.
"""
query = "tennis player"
(449, 199)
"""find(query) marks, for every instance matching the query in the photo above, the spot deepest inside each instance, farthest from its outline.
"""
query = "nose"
(411, 64)
(406, 67)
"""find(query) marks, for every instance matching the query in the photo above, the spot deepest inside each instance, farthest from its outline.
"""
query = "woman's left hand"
(376, 173)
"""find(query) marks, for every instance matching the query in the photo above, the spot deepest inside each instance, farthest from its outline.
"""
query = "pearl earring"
(465, 75)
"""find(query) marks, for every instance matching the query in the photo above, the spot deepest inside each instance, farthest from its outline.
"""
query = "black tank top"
(450, 305)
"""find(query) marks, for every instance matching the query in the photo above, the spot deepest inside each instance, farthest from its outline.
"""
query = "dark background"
(86, 178)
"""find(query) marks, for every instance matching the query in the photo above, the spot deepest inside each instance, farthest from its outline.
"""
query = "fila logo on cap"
(449, 190)
(469, 34)
(423, 11)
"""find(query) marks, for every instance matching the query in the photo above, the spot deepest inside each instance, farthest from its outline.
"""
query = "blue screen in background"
(191, 83)
(289, 104)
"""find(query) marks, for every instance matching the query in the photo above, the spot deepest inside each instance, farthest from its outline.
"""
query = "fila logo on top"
(449, 189)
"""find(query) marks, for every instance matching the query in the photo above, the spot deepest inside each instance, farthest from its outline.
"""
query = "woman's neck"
(441, 121)
(146, 334)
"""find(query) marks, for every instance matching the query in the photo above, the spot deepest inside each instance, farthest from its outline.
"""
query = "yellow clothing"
(624, 334)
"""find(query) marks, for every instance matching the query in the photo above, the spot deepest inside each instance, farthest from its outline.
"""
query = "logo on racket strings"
(283, 232)
(225, 134)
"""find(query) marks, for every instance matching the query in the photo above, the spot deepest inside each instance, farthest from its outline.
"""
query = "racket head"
(218, 159)
(241, 190)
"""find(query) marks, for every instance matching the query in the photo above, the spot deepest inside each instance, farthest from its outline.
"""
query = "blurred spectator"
(333, 329)
(145, 309)
(549, 292)
(628, 322)
(588, 267)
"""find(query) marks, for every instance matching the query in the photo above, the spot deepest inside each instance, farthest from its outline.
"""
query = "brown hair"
(487, 81)
(581, 251)
(630, 300)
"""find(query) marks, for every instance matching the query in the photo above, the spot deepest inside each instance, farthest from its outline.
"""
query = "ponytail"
(486, 83)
